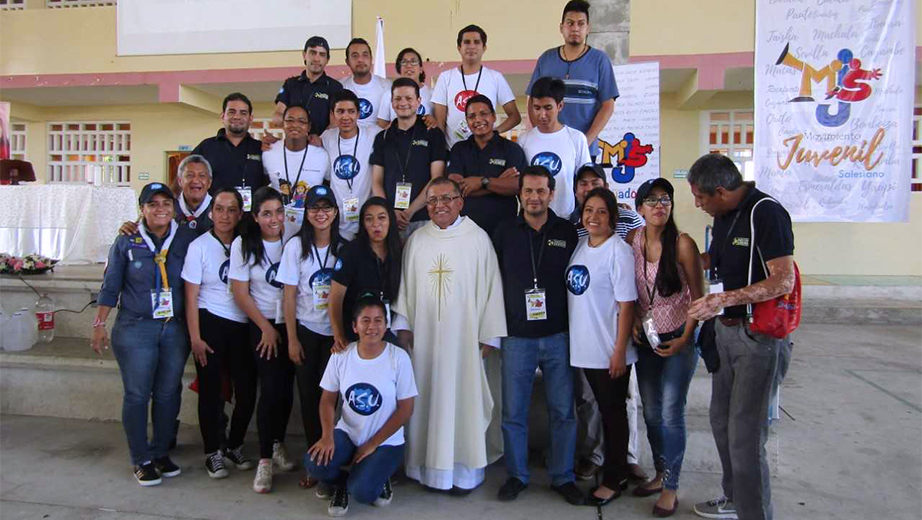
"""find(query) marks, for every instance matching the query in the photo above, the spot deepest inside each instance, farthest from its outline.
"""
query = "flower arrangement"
(29, 264)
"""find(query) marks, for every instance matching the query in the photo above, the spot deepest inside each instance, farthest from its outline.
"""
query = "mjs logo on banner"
(833, 107)
(629, 143)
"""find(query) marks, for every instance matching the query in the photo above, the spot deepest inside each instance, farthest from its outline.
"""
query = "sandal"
(307, 482)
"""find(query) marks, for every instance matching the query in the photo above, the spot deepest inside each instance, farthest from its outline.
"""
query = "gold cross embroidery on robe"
(440, 278)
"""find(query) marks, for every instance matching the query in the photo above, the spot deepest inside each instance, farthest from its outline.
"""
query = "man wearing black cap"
(313, 89)
(588, 177)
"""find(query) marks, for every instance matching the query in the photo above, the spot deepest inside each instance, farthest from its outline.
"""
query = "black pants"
(611, 394)
(232, 355)
(316, 355)
(276, 386)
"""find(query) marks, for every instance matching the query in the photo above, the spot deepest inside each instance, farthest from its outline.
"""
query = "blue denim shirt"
(131, 274)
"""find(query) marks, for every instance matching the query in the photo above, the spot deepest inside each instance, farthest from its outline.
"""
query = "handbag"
(779, 316)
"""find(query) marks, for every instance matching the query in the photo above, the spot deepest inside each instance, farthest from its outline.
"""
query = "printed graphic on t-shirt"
(346, 167)
(366, 109)
(363, 399)
(271, 273)
(300, 194)
(549, 160)
(577, 279)
(338, 265)
(222, 272)
(461, 99)
(322, 276)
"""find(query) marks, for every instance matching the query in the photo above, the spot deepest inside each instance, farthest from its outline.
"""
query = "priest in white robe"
(452, 295)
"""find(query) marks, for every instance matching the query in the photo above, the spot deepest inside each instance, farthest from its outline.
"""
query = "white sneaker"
(387, 494)
(280, 457)
(263, 481)
(717, 508)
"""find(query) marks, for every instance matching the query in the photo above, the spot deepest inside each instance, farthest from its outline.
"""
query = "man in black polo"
(235, 157)
(533, 250)
(486, 165)
(406, 157)
(313, 89)
(742, 386)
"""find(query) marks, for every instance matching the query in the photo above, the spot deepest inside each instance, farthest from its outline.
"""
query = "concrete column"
(611, 23)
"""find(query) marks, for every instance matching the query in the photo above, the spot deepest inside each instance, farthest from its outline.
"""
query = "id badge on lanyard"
(294, 216)
(321, 292)
(351, 209)
(536, 304)
(162, 303)
(716, 286)
(402, 195)
(246, 193)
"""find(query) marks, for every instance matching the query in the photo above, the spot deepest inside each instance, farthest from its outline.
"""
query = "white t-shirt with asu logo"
(208, 266)
(264, 288)
(561, 152)
(452, 91)
(369, 96)
(350, 173)
(307, 274)
(370, 389)
(597, 279)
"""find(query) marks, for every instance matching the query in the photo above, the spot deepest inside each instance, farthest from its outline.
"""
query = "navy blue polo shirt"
(231, 165)
(314, 97)
(468, 160)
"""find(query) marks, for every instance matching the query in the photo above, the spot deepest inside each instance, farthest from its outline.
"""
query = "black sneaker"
(214, 465)
(146, 474)
(511, 489)
(570, 493)
(166, 467)
(339, 506)
(387, 494)
(236, 456)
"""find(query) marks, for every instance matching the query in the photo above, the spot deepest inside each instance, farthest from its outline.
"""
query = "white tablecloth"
(75, 223)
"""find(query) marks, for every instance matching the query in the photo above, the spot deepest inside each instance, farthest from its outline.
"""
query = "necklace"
(568, 61)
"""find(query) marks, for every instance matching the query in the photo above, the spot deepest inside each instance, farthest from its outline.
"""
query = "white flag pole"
(379, 49)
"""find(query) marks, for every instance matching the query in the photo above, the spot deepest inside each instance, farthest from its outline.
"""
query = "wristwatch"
(484, 182)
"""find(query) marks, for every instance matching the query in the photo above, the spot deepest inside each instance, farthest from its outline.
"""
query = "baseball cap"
(152, 189)
(317, 41)
(648, 186)
(596, 170)
(318, 193)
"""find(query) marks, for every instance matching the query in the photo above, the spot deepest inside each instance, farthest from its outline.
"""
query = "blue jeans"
(151, 356)
(521, 356)
(663, 384)
(366, 481)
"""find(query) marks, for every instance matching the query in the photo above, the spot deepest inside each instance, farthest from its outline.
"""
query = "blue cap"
(152, 189)
(318, 193)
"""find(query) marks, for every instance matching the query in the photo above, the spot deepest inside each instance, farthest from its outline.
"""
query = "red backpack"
(779, 316)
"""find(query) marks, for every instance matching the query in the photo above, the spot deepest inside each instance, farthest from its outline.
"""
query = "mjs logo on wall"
(629, 143)
(833, 107)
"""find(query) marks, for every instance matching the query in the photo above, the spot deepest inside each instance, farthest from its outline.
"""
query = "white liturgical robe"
(451, 293)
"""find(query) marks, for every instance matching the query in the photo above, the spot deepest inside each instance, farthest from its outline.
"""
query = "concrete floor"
(849, 446)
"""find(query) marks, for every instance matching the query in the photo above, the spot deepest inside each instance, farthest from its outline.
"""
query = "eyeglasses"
(651, 201)
(444, 199)
(409, 63)
(318, 209)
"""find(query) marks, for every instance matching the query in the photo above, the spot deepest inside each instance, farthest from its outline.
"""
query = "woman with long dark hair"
(255, 257)
(218, 332)
(600, 300)
(668, 275)
(369, 264)
(306, 271)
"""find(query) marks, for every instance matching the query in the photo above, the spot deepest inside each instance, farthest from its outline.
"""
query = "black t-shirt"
(469, 160)
(314, 97)
(511, 241)
(424, 147)
(731, 240)
(361, 271)
(232, 166)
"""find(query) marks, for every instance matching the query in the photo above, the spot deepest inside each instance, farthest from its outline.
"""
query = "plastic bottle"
(18, 335)
(44, 315)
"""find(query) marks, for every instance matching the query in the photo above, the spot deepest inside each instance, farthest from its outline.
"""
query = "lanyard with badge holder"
(382, 276)
(225, 267)
(293, 215)
(246, 193)
(161, 298)
(351, 204)
(716, 284)
(536, 297)
(404, 188)
(320, 281)
(649, 327)
(463, 131)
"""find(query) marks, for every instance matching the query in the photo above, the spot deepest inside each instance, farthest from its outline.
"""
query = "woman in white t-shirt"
(375, 380)
(218, 331)
(600, 300)
(409, 64)
(307, 273)
(255, 257)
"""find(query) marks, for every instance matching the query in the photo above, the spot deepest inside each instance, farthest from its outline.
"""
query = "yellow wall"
(42, 41)
(675, 27)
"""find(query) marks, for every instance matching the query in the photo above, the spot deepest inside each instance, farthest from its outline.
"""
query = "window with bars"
(86, 151)
(916, 180)
(18, 141)
(731, 133)
(12, 5)
(63, 4)
(260, 126)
